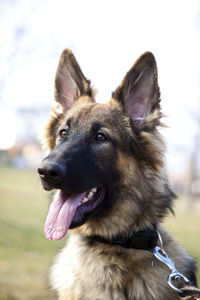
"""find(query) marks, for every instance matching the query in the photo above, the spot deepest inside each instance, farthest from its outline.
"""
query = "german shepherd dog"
(106, 163)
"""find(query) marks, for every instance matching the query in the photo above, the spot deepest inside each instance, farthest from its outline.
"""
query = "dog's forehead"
(90, 113)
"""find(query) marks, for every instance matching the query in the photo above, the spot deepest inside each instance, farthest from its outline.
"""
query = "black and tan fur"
(130, 165)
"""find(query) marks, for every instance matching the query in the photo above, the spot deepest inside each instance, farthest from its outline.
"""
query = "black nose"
(51, 172)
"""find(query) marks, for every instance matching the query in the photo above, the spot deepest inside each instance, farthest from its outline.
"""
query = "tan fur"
(101, 272)
(105, 272)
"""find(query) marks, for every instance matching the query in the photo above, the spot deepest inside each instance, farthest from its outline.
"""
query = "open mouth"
(68, 209)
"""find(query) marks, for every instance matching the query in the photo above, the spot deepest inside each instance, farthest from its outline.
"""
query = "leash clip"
(174, 276)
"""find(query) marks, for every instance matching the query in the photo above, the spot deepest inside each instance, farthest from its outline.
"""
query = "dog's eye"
(63, 133)
(100, 137)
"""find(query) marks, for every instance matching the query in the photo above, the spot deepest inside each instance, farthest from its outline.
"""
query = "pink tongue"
(60, 215)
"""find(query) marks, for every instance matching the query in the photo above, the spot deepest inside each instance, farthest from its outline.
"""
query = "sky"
(106, 38)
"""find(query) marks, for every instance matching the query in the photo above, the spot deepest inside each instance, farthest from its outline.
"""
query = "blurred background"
(106, 37)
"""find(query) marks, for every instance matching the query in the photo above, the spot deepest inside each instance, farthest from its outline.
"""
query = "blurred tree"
(193, 184)
(192, 189)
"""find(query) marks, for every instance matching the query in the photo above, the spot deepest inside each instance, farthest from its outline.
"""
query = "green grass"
(25, 254)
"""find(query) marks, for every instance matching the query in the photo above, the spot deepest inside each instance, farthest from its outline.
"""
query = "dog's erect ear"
(70, 82)
(139, 91)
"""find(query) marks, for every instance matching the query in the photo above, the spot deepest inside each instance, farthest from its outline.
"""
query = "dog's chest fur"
(82, 272)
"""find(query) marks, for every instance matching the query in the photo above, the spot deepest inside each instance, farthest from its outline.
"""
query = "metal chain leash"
(177, 281)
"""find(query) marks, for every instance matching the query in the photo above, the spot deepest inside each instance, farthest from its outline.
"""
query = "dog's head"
(106, 160)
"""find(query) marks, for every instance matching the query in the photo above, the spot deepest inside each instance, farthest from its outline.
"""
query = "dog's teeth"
(85, 200)
(90, 194)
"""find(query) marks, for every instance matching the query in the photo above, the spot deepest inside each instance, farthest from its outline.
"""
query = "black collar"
(143, 240)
